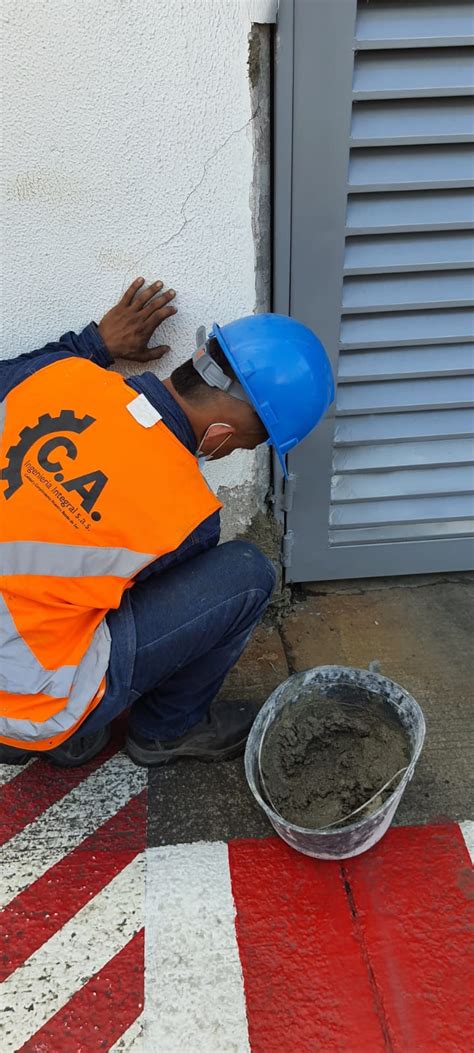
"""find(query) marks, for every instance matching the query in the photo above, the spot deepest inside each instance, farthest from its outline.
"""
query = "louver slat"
(407, 121)
(390, 253)
(410, 362)
(428, 73)
(431, 453)
(399, 427)
(400, 329)
(409, 510)
(434, 210)
(415, 24)
(384, 293)
(428, 482)
(446, 528)
(401, 395)
(406, 168)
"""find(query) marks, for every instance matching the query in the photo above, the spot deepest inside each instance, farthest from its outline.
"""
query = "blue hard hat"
(285, 372)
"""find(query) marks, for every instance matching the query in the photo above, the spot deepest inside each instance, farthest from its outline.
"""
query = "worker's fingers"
(147, 294)
(156, 319)
(150, 354)
(157, 303)
(130, 292)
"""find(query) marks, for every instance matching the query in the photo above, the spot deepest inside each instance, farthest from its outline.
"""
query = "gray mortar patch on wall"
(239, 516)
(259, 71)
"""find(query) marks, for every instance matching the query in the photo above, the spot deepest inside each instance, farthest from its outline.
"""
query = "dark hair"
(187, 381)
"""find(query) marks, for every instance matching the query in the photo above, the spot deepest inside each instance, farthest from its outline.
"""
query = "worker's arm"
(87, 344)
(124, 332)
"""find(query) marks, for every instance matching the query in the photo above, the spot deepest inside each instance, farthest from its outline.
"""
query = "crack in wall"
(185, 220)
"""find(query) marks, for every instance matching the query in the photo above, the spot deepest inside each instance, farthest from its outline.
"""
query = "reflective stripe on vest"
(20, 671)
(70, 561)
(91, 670)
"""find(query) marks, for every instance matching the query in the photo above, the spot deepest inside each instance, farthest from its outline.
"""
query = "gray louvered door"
(374, 250)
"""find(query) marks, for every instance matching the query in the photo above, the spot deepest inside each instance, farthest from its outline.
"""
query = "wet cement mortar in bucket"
(320, 762)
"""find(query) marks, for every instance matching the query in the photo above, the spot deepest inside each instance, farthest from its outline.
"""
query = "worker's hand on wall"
(127, 328)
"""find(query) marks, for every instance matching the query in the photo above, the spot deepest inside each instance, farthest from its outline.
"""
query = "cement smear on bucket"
(322, 760)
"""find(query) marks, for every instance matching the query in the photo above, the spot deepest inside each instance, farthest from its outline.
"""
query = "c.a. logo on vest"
(89, 486)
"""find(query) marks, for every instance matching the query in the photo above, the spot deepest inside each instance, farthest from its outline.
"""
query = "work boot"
(79, 749)
(221, 735)
(71, 754)
(12, 755)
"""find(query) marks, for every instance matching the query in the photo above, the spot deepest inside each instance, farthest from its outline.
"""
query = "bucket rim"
(397, 793)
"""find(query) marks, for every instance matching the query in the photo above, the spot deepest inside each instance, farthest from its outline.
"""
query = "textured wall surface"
(127, 150)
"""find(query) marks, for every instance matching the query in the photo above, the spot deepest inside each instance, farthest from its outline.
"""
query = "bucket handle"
(344, 818)
(366, 803)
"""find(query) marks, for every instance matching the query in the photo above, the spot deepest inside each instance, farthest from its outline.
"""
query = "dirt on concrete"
(321, 760)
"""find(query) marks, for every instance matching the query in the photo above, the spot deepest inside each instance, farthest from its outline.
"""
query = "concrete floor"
(420, 629)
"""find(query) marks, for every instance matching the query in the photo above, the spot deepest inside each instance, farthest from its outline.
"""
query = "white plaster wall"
(127, 150)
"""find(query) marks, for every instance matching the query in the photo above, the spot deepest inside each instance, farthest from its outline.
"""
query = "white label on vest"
(144, 412)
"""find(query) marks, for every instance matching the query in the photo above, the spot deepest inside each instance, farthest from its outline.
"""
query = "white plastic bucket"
(337, 684)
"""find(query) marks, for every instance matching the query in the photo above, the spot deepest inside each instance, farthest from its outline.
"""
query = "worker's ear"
(214, 437)
(220, 430)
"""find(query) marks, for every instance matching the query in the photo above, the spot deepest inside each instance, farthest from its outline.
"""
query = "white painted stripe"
(467, 830)
(63, 826)
(132, 1039)
(49, 978)
(194, 995)
(9, 771)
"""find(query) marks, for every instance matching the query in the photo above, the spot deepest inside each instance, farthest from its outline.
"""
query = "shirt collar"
(172, 414)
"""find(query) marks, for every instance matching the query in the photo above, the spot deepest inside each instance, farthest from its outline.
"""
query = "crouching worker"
(114, 592)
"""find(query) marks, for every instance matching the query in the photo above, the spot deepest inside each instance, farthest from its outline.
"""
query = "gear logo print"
(47, 425)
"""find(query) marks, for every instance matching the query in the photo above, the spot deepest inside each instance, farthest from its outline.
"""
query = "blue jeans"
(191, 624)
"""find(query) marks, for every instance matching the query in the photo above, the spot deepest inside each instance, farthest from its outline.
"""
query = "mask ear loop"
(217, 424)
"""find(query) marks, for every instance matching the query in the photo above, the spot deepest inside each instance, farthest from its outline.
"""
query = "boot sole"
(145, 759)
(88, 755)
(75, 762)
(22, 758)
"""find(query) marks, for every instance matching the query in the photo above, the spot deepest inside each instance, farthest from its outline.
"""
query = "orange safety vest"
(93, 487)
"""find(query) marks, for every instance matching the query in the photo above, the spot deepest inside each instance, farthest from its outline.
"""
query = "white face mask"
(202, 458)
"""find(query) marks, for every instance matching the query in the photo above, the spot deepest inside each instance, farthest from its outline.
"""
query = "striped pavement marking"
(131, 1039)
(48, 903)
(249, 947)
(71, 932)
(194, 998)
(64, 825)
(22, 799)
(86, 1021)
(10, 771)
(467, 830)
(70, 958)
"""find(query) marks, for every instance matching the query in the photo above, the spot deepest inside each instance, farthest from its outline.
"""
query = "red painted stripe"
(46, 905)
(97, 1015)
(306, 981)
(413, 895)
(38, 787)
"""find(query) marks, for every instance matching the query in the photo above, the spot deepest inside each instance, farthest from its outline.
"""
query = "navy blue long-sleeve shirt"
(90, 345)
